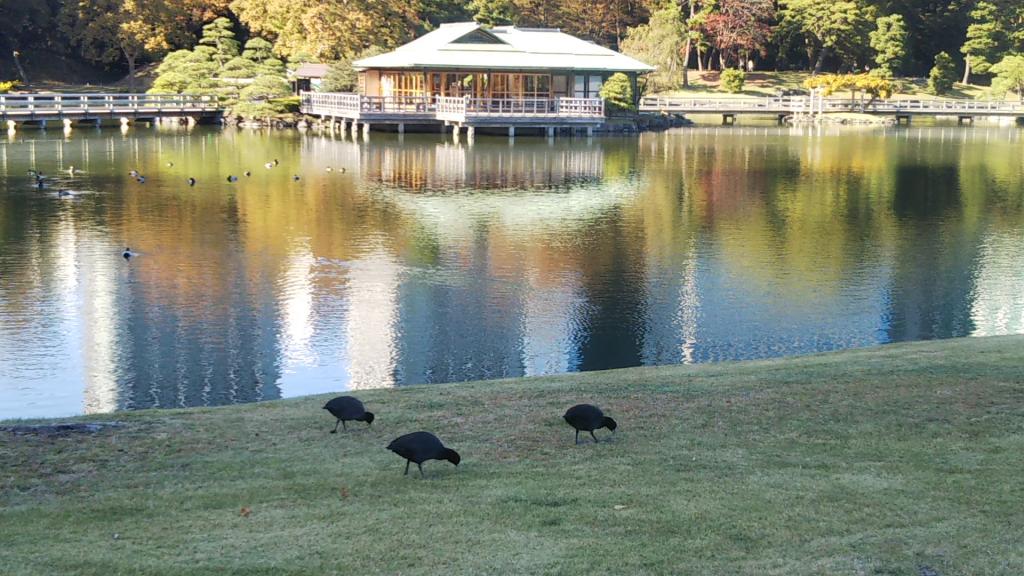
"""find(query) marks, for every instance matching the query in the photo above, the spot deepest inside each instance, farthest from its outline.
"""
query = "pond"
(418, 260)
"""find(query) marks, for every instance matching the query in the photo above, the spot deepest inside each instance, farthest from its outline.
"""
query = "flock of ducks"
(41, 182)
(418, 447)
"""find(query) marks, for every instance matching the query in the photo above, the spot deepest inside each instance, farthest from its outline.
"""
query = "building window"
(579, 87)
(594, 87)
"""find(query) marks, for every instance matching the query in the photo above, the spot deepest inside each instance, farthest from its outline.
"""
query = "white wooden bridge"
(68, 108)
(458, 112)
(902, 110)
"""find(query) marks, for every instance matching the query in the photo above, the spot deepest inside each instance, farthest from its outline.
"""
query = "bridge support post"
(511, 132)
(550, 131)
(728, 119)
(124, 121)
(961, 120)
(42, 124)
(401, 128)
(590, 131)
(366, 131)
(67, 124)
(12, 126)
(470, 133)
(903, 119)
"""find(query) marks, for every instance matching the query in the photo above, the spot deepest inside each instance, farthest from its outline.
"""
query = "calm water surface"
(427, 261)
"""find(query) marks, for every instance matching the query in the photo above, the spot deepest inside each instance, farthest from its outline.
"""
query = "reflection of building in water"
(371, 322)
(998, 306)
(426, 165)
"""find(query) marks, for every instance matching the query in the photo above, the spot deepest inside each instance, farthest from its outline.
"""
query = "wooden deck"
(457, 111)
(15, 108)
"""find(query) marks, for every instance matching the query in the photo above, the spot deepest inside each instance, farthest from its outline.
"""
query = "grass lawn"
(706, 85)
(903, 459)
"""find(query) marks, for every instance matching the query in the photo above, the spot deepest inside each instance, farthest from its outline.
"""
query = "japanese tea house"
(464, 74)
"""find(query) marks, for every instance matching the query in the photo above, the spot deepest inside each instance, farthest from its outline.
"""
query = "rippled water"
(427, 261)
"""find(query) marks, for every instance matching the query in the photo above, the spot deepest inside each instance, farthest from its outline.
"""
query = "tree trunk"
(721, 60)
(700, 57)
(967, 69)
(131, 68)
(686, 63)
(17, 64)
(821, 60)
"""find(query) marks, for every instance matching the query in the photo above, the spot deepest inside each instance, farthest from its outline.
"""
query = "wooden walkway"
(795, 106)
(18, 108)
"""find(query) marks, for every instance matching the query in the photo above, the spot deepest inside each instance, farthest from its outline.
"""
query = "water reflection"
(418, 260)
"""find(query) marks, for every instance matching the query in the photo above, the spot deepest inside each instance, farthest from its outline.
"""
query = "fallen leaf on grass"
(619, 506)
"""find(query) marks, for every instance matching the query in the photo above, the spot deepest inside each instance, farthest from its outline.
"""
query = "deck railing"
(93, 104)
(450, 108)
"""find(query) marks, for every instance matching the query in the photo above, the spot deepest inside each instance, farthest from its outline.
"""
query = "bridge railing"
(799, 104)
(83, 104)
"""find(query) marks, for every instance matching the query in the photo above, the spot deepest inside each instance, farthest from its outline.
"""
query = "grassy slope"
(878, 461)
(706, 85)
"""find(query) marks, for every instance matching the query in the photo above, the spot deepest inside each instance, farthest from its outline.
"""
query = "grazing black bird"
(346, 408)
(127, 253)
(191, 181)
(419, 447)
(232, 178)
(587, 418)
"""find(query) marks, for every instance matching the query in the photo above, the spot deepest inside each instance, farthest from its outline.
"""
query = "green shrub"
(943, 74)
(617, 92)
(733, 80)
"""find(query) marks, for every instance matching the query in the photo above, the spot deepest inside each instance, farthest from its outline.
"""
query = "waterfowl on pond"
(587, 418)
(141, 179)
(268, 165)
(64, 193)
(127, 254)
(232, 178)
(170, 164)
(419, 447)
(346, 408)
(191, 181)
(295, 178)
(248, 173)
(133, 173)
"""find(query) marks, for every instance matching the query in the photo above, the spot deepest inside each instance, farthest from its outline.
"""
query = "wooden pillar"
(401, 128)
(511, 131)
(550, 131)
(590, 131)
(366, 130)
(470, 133)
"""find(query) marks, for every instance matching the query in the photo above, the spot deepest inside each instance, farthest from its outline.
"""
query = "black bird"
(191, 181)
(127, 253)
(343, 170)
(587, 418)
(295, 178)
(232, 178)
(419, 447)
(346, 408)
(64, 193)
(247, 173)
(141, 179)
(133, 173)
(275, 162)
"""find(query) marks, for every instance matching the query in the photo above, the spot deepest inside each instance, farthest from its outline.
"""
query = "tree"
(493, 12)
(872, 85)
(733, 80)
(617, 92)
(1009, 75)
(740, 28)
(889, 41)
(660, 43)
(837, 28)
(942, 75)
(330, 29)
(220, 36)
(985, 39)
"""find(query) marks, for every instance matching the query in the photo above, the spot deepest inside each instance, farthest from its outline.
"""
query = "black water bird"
(33, 173)
(346, 408)
(587, 418)
(141, 179)
(191, 181)
(232, 178)
(127, 254)
(295, 178)
(247, 173)
(64, 193)
(275, 162)
(419, 447)
(343, 170)
(133, 173)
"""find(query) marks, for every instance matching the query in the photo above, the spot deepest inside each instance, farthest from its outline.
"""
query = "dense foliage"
(618, 93)
(942, 75)
(898, 36)
(733, 80)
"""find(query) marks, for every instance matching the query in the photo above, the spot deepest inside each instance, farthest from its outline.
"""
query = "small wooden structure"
(467, 76)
